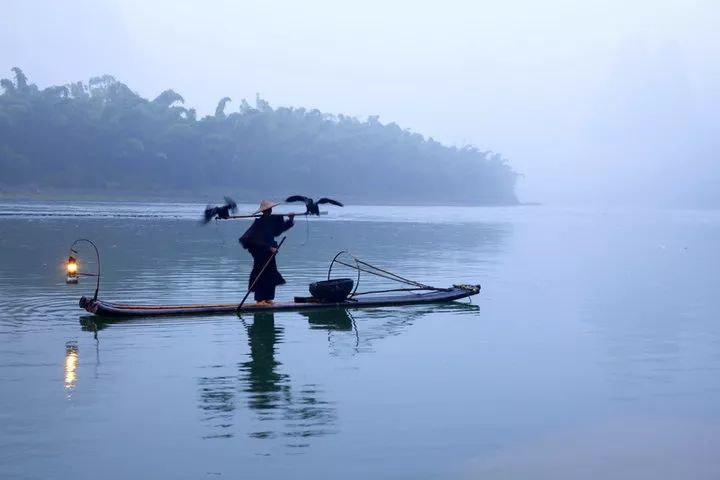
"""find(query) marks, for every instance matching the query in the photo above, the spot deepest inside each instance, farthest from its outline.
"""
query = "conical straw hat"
(266, 205)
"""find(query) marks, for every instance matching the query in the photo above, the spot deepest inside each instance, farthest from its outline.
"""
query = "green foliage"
(102, 135)
(220, 109)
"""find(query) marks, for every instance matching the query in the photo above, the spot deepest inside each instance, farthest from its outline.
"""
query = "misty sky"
(607, 101)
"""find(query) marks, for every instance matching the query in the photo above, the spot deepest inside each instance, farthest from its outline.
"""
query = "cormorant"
(312, 206)
(222, 212)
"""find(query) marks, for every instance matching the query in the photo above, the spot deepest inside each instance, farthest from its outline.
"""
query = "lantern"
(72, 270)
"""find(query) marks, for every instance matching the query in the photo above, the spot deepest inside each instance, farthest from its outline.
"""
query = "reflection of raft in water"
(327, 294)
(103, 308)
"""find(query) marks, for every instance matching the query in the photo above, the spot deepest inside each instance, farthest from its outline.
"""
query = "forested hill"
(102, 137)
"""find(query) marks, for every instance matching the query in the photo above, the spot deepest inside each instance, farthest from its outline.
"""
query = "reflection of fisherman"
(259, 240)
(264, 383)
(296, 415)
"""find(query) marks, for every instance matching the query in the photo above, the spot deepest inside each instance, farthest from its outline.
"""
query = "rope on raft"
(400, 290)
(362, 266)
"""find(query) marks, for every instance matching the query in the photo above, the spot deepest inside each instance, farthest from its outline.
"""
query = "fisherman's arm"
(287, 224)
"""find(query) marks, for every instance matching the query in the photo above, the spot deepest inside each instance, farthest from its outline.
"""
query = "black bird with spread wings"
(222, 212)
(313, 207)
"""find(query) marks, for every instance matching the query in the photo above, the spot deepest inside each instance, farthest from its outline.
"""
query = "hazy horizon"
(593, 103)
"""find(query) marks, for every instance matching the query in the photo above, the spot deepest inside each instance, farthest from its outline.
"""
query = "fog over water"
(594, 102)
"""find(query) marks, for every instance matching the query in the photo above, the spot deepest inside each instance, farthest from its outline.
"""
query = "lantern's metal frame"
(97, 256)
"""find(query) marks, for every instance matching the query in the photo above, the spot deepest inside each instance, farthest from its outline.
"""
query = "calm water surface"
(593, 350)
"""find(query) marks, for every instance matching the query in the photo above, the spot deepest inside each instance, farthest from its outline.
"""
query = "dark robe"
(258, 240)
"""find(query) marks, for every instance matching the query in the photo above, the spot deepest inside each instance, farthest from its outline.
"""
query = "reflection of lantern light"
(72, 270)
(71, 363)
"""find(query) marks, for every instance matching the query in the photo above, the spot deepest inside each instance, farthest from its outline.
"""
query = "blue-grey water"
(593, 350)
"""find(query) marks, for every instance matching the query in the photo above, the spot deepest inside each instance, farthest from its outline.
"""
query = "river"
(592, 351)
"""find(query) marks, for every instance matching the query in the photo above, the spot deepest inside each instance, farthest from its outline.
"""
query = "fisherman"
(259, 240)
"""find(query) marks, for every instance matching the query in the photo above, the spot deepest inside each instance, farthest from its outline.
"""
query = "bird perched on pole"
(311, 205)
(222, 212)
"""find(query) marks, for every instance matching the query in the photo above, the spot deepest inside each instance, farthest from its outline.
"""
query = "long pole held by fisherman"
(260, 274)
(223, 212)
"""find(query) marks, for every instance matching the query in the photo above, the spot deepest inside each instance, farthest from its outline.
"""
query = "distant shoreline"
(206, 198)
(103, 141)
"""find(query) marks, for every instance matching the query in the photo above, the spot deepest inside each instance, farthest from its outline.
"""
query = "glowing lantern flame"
(72, 266)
